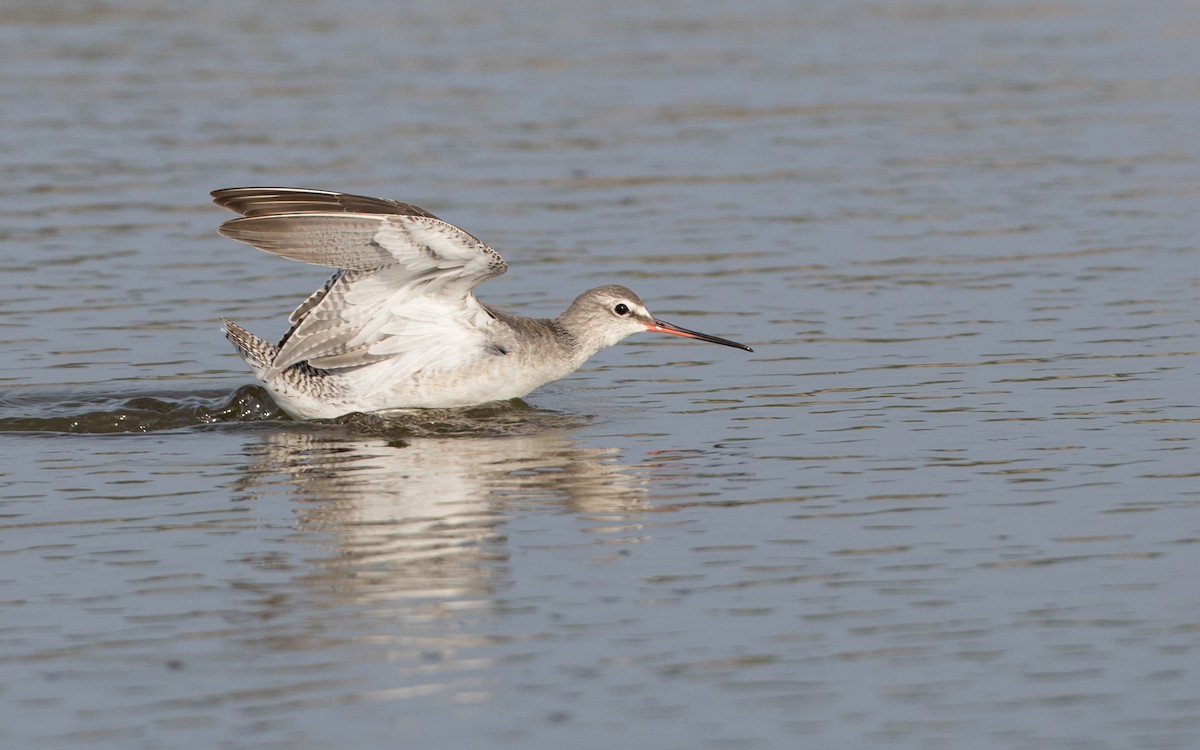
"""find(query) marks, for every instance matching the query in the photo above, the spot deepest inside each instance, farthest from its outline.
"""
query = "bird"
(398, 327)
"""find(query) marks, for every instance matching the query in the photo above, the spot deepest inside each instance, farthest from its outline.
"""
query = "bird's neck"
(578, 331)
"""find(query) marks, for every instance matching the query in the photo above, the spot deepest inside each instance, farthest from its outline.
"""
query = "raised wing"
(362, 317)
(355, 232)
(405, 288)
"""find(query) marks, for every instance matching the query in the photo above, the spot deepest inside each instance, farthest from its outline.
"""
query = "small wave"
(101, 414)
(97, 414)
(497, 419)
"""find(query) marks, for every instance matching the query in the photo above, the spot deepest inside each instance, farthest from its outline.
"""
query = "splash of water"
(99, 414)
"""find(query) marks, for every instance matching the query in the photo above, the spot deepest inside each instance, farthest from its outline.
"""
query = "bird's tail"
(257, 352)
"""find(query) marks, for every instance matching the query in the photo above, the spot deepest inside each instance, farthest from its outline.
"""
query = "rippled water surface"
(949, 502)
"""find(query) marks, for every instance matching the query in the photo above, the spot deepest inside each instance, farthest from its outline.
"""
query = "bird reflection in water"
(422, 517)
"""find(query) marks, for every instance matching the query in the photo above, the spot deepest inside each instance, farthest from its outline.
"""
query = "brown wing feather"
(324, 239)
(267, 201)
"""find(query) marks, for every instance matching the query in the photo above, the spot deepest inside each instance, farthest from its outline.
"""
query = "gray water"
(949, 502)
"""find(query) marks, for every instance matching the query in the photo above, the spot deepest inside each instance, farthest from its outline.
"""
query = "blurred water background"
(949, 502)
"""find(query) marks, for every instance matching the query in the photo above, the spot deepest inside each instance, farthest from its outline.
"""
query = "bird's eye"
(621, 309)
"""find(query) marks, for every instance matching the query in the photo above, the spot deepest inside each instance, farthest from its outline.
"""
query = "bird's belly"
(382, 386)
(495, 379)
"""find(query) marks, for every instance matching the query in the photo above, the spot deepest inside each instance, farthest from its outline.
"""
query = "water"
(950, 501)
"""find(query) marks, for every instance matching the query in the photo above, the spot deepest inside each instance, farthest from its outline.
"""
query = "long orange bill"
(661, 326)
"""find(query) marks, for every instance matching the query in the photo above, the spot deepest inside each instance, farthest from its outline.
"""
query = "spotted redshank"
(398, 325)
